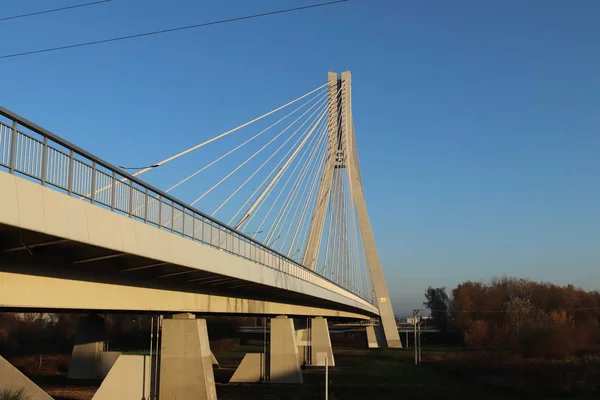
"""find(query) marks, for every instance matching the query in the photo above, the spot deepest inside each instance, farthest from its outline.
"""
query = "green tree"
(438, 303)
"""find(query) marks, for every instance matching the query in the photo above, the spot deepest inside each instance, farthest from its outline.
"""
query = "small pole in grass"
(326, 377)
(417, 335)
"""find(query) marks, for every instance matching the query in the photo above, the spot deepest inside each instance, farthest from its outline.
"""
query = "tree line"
(533, 318)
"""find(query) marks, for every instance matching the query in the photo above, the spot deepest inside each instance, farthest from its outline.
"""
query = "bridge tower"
(342, 157)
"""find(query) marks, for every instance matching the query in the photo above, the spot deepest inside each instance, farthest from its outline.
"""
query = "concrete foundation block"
(130, 378)
(303, 343)
(186, 370)
(250, 369)
(314, 344)
(89, 343)
(107, 360)
(321, 343)
(214, 360)
(284, 366)
(375, 337)
(12, 379)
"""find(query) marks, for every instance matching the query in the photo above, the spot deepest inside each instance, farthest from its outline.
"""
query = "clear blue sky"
(478, 122)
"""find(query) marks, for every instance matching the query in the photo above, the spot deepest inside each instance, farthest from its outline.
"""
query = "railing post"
(130, 199)
(194, 227)
(93, 183)
(160, 204)
(183, 222)
(44, 161)
(172, 216)
(113, 191)
(13, 148)
(70, 177)
(146, 206)
(203, 222)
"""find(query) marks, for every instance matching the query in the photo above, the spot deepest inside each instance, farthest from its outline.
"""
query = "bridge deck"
(62, 252)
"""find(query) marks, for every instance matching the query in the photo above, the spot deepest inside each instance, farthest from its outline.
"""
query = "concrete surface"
(12, 379)
(320, 343)
(130, 378)
(375, 337)
(40, 292)
(284, 366)
(186, 371)
(384, 303)
(314, 344)
(28, 205)
(107, 360)
(250, 369)
(89, 343)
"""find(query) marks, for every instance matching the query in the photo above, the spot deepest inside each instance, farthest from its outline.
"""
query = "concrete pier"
(284, 366)
(375, 337)
(186, 371)
(321, 343)
(89, 344)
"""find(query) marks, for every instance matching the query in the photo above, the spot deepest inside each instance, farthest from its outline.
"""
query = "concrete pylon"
(89, 344)
(375, 337)
(320, 346)
(132, 377)
(186, 370)
(343, 155)
(284, 366)
(314, 344)
(311, 253)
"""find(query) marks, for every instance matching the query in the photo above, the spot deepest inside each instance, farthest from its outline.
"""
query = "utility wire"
(517, 311)
(93, 3)
(181, 28)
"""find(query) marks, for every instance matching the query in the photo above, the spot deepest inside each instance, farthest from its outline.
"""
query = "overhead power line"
(93, 3)
(517, 311)
(181, 28)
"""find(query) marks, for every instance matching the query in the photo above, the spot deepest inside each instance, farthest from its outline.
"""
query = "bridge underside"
(49, 273)
(40, 269)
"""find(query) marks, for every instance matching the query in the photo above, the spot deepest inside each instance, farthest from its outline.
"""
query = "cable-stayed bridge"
(275, 223)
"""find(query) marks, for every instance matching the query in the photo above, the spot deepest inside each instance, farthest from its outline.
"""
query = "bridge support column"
(314, 344)
(321, 343)
(284, 365)
(13, 379)
(250, 370)
(131, 377)
(375, 337)
(89, 344)
(186, 370)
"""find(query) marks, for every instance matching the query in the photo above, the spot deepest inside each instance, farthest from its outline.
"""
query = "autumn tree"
(438, 303)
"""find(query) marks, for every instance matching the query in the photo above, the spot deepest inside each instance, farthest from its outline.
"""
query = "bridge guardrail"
(53, 161)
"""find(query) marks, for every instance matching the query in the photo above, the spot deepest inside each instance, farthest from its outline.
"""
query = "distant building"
(411, 320)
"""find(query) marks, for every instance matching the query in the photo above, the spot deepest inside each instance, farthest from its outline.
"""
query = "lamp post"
(138, 169)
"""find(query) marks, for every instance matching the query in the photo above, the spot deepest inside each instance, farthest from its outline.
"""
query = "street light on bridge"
(138, 169)
(252, 233)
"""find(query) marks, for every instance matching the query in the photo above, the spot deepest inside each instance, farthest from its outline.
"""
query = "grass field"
(385, 374)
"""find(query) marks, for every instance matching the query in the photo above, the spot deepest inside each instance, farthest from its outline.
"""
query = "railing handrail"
(65, 143)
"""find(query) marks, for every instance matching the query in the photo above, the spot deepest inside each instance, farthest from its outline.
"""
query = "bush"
(550, 342)
(13, 394)
(478, 335)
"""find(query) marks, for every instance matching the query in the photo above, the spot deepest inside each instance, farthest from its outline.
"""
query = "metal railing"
(54, 162)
